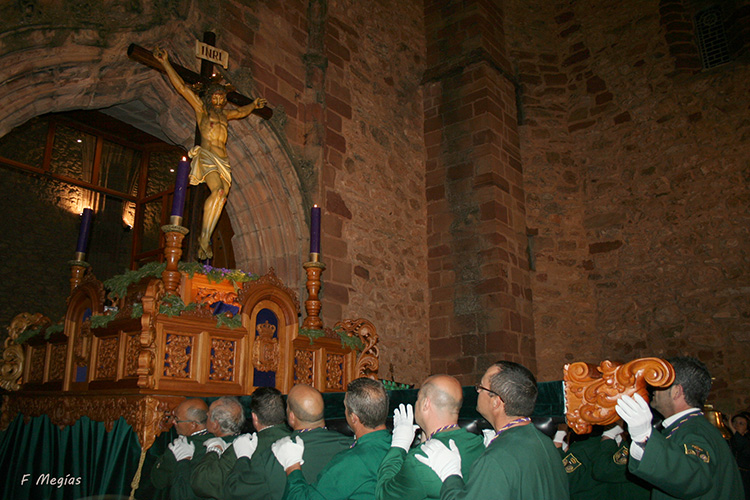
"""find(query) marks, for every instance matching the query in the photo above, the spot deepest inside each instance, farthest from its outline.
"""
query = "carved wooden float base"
(591, 392)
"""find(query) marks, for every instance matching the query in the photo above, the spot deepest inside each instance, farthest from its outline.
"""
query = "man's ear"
(677, 392)
(255, 421)
(354, 418)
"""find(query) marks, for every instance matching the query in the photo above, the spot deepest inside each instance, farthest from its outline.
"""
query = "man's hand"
(445, 462)
(636, 413)
(260, 102)
(215, 444)
(160, 55)
(288, 452)
(182, 449)
(403, 427)
(245, 445)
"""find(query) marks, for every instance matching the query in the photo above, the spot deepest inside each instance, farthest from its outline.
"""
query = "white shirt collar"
(674, 418)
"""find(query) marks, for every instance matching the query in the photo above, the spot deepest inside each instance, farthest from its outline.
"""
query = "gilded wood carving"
(335, 372)
(368, 361)
(303, 367)
(266, 348)
(591, 392)
(177, 357)
(222, 360)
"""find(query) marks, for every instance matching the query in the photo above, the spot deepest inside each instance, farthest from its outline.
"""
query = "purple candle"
(83, 233)
(315, 229)
(180, 188)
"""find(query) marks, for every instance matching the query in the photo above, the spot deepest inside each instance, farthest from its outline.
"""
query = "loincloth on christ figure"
(204, 162)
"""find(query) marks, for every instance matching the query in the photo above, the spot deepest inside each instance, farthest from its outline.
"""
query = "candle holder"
(314, 269)
(78, 268)
(174, 234)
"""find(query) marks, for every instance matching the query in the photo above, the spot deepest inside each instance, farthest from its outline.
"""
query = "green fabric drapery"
(33, 454)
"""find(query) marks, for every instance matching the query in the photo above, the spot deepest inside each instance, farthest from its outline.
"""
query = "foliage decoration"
(101, 320)
(350, 341)
(391, 385)
(231, 322)
(137, 310)
(118, 285)
(172, 305)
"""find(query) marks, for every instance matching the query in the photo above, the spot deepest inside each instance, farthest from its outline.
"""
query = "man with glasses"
(520, 462)
(172, 470)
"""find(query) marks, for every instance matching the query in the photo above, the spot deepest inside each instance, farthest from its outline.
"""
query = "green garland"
(232, 322)
(172, 305)
(350, 341)
(33, 332)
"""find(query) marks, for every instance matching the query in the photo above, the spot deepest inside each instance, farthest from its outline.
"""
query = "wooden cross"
(145, 57)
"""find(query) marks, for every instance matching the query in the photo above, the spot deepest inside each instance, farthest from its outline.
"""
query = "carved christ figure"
(210, 163)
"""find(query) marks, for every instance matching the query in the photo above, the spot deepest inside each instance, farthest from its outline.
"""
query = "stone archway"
(265, 204)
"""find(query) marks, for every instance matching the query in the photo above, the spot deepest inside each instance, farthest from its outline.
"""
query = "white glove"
(636, 413)
(289, 452)
(215, 444)
(403, 427)
(559, 439)
(445, 462)
(182, 449)
(245, 445)
(489, 436)
(614, 433)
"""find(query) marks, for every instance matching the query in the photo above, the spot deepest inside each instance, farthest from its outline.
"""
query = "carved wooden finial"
(591, 392)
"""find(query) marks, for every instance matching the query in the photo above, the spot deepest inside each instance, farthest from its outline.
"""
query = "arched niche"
(265, 203)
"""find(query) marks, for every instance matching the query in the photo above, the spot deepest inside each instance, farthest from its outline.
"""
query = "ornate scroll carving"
(303, 367)
(106, 358)
(222, 360)
(367, 360)
(12, 368)
(178, 355)
(591, 392)
(266, 348)
(210, 295)
(269, 278)
(334, 372)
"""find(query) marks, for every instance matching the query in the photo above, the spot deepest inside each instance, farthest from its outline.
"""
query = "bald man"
(401, 476)
(261, 475)
(173, 469)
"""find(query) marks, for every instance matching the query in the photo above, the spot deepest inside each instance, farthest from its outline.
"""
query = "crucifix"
(209, 156)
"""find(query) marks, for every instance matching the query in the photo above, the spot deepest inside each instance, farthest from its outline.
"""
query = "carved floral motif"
(334, 372)
(57, 362)
(106, 358)
(178, 355)
(222, 360)
(303, 367)
(591, 392)
(132, 349)
(211, 295)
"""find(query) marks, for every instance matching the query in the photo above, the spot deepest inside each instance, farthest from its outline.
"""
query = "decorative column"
(312, 304)
(78, 265)
(314, 269)
(174, 231)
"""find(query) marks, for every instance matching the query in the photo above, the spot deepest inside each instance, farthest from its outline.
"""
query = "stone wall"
(636, 171)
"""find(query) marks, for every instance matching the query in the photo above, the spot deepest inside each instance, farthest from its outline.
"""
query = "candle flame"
(184, 158)
(315, 205)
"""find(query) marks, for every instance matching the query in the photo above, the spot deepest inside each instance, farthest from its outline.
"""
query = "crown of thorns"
(213, 86)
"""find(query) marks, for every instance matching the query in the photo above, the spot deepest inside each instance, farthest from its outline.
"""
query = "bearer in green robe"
(520, 463)
(172, 470)
(689, 458)
(351, 474)
(260, 476)
(225, 420)
(401, 476)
